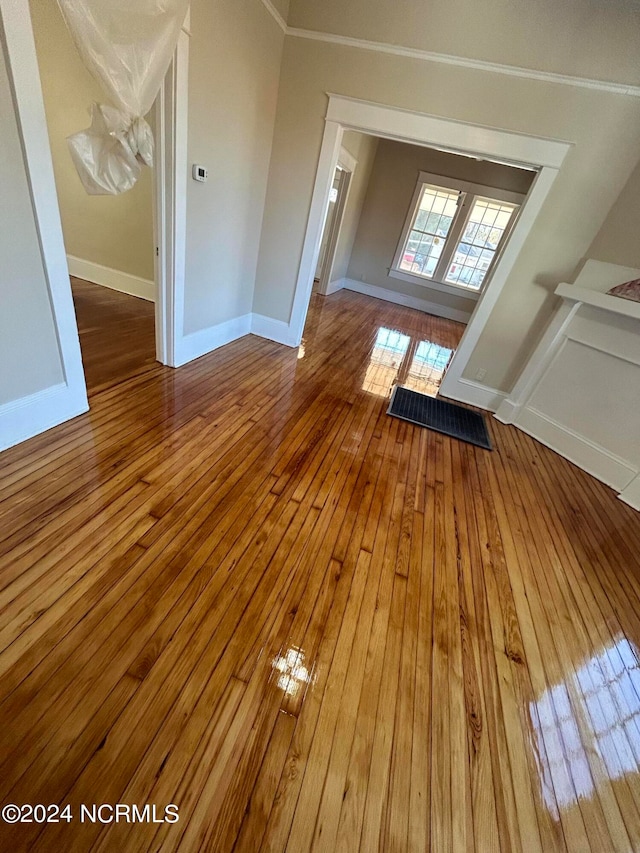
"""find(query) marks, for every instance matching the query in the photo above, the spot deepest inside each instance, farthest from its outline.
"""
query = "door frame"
(345, 113)
(170, 201)
(169, 180)
(348, 163)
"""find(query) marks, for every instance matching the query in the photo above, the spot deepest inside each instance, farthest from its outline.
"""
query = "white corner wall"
(42, 382)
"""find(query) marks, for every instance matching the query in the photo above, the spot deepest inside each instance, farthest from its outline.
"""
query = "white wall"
(29, 352)
(113, 231)
(391, 188)
(234, 70)
(603, 155)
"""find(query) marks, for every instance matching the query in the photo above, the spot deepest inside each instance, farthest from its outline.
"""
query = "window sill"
(452, 289)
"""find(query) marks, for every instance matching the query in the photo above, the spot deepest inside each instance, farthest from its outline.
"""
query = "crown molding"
(462, 62)
(277, 17)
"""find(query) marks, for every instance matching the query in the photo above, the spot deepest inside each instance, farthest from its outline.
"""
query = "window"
(453, 232)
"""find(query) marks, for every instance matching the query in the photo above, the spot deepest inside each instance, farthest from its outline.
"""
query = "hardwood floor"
(243, 589)
(117, 334)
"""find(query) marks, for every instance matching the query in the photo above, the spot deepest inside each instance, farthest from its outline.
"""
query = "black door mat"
(435, 414)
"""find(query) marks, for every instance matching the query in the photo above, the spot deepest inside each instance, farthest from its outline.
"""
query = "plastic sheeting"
(127, 45)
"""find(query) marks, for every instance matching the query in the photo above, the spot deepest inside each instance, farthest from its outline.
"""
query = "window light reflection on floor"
(427, 368)
(588, 727)
(399, 359)
(388, 354)
(293, 673)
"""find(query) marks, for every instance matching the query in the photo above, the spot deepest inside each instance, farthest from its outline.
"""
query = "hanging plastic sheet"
(127, 45)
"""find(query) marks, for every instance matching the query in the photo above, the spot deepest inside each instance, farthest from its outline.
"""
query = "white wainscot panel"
(580, 392)
(594, 394)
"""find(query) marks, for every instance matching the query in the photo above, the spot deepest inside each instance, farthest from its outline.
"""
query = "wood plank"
(241, 587)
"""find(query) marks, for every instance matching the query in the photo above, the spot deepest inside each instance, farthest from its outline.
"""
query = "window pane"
(436, 210)
(477, 248)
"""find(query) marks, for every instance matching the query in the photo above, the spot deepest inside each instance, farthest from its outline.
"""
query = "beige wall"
(363, 148)
(588, 38)
(283, 7)
(618, 241)
(602, 127)
(29, 351)
(234, 69)
(391, 188)
(115, 231)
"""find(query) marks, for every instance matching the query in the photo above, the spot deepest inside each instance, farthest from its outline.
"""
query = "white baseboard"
(335, 286)
(475, 394)
(591, 457)
(408, 301)
(24, 418)
(631, 494)
(204, 341)
(207, 340)
(113, 279)
(273, 330)
(508, 411)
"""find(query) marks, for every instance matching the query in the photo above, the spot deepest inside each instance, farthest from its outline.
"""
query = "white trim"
(23, 418)
(463, 62)
(273, 330)
(335, 286)
(277, 17)
(347, 160)
(475, 394)
(406, 300)
(29, 416)
(615, 304)
(205, 341)
(124, 282)
(631, 494)
(423, 281)
(513, 148)
(170, 202)
(591, 457)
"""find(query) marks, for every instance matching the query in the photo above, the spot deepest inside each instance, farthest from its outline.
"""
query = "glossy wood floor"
(117, 334)
(243, 589)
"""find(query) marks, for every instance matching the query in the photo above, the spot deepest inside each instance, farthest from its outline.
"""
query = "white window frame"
(469, 191)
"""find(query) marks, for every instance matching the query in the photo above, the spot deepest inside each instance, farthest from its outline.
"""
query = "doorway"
(131, 245)
(338, 198)
(543, 155)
